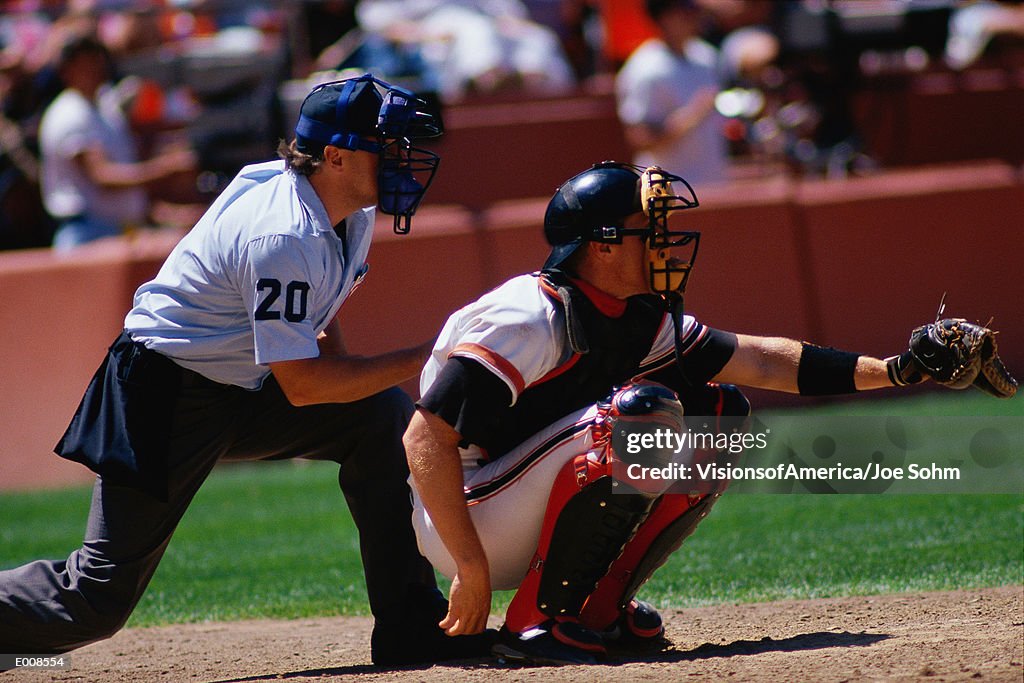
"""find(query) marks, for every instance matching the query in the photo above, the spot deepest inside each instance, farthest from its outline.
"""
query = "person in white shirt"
(474, 46)
(92, 181)
(666, 97)
(234, 351)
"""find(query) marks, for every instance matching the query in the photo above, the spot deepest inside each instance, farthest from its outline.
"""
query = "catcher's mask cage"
(594, 205)
(405, 172)
(660, 198)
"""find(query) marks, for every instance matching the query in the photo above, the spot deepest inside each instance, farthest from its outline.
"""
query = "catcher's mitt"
(956, 354)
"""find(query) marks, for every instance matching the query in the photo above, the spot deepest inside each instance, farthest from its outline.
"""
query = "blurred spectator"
(30, 42)
(31, 46)
(666, 97)
(821, 47)
(323, 22)
(473, 46)
(726, 16)
(574, 22)
(753, 95)
(23, 223)
(973, 27)
(92, 181)
(130, 31)
(625, 26)
(746, 53)
(400, 58)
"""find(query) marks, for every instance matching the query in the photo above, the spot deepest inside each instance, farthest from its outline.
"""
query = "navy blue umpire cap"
(340, 114)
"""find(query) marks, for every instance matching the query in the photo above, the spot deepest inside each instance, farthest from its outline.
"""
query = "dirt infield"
(956, 636)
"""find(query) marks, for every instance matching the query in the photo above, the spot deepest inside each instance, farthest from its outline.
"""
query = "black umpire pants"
(55, 606)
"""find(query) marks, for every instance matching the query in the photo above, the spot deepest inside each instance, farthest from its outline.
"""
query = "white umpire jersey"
(255, 281)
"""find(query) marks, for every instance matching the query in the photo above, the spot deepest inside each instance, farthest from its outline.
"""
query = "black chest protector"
(607, 352)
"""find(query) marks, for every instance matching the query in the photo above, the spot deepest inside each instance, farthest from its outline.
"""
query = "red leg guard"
(608, 545)
(585, 527)
(606, 603)
(671, 521)
(524, 611)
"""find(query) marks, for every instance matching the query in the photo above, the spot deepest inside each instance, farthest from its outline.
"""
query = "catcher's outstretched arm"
(953, 352)
(788, 365)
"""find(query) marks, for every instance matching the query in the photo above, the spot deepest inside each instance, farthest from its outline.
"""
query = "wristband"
(902, 370)
(824, 371)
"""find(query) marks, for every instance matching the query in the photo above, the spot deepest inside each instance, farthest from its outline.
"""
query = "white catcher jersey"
(255, 281)
(518, 333)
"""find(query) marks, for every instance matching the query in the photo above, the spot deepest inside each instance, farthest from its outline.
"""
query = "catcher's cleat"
(419, 640)
(552, 643)
(638, 624)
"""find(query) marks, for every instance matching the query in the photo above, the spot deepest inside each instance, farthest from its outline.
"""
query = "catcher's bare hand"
(956, 354)
(469, 603)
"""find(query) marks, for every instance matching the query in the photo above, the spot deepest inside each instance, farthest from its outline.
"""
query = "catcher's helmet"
(603, 196)
(594, 205)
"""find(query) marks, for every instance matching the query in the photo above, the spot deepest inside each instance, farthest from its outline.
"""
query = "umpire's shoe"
(419, 640)
(551, 643)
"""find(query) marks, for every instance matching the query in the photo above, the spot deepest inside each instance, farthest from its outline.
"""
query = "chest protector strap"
(588, 329)
(574, 328)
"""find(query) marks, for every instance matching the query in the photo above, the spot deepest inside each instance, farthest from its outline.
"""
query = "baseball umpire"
(509, 449)
(234, 352)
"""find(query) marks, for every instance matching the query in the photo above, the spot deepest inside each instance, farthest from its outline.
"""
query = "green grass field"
(275, 540)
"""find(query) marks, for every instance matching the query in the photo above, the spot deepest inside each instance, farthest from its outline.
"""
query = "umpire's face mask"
(405, 174)
(405, 171)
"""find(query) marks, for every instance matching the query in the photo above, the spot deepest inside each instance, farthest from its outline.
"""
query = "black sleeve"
(469, 397)
(700, 362)
(707, 357)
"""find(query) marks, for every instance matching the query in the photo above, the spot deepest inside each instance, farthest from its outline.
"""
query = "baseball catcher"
(512, 449)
